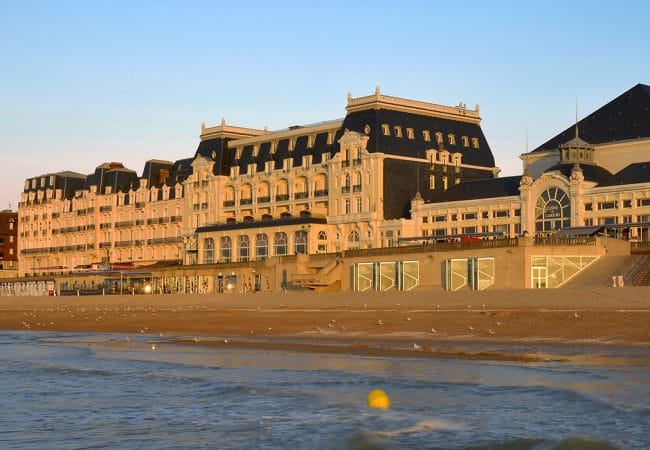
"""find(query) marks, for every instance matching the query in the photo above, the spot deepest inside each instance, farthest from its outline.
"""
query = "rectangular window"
(432, 181)
(398, 131)
(627, 203)
(359, 205)
(465, 141)
(627, 219)
(454, 217)
(588, 207)
(607, 221)
(440, 218)
(409, 133)
(485, 214)
(444, 183)
(426, 135)
(503, 213)
(452, 139)
(643, 202)
(469, 230)
(607, 205)
(346, 206)
(475, 142)
(425, 219)
(469, 216)
(589, 222)
(385, 129)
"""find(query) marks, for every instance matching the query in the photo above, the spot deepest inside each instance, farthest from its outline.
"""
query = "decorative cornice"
(379, 101)
(330, 125)
(227, 131)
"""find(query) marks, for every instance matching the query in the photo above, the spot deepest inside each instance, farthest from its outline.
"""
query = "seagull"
(490, 331)
(196, 339)
(319, 330)
(153, 346)
(408, 319)
(471, 327)
(576, 314)
(331, 325)
(433, 330)
(380, 322)
(225, 341)
(343, 328)
(417, 347)
(499, 323)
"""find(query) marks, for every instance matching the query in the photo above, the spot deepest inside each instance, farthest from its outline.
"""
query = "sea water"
(79, 391)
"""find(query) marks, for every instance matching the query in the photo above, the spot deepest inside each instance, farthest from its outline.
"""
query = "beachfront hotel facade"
(300, 206)
(251, 194)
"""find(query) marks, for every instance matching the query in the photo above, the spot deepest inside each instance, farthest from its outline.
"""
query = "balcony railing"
(139, 222)
(104, 209)
(124, 224)
(246, 201)
(321, 193)
(356, 188)
(345, 189)
(139, 205)
(176, 219)
(300, 195)
(575, 240)
(228, 203)
(265, 199)
(167, 240)
(282, 197)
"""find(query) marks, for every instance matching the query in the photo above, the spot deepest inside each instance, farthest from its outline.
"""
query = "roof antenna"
(577, 133)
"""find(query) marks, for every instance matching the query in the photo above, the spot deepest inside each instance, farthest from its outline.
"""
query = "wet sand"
(389, 324)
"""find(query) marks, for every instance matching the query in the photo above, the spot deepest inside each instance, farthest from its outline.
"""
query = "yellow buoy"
(378, 399)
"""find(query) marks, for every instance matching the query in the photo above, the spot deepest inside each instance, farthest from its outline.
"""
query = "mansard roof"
(632, 174)
(624, 118)
(416, 146)
(590, 172)
(66, 180)
(478, 189)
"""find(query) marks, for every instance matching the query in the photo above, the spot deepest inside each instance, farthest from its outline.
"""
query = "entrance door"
(540, 277)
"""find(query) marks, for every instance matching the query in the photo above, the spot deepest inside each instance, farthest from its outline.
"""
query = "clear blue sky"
(83, 82)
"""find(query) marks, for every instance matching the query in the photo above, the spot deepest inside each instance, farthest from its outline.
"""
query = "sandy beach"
(366, 323)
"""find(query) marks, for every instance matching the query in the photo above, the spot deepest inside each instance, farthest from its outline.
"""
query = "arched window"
(280, 244)
(300, 242)
(353, 240)
(226, 249)
(358, 179)
(261, 246)
(552, 210)
(244, 248)
(208, 251)
(322, 242)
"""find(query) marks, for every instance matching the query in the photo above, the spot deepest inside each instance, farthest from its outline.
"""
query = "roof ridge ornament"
(377, 91)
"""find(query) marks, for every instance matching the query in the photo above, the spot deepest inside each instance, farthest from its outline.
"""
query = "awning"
(579, 231)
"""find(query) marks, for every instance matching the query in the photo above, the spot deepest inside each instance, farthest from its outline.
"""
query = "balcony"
(139, 205)
(246, 201)
(321, 193)
(105, 226)
(345, 189)
(265, 199)
(301, 195)
(161, 241)
(196, 207)
(176, 219)
(356, 162)
(139, 222)
(228, 203)
(103, 245)
(282, 197)
(356, 188)
(104, 209)
(124, 224)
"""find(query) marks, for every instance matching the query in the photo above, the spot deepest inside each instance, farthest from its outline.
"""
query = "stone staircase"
(635, 270)
(641, 274)
(320, 277)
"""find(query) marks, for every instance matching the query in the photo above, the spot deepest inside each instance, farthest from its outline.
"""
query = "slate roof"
(632, 174)
(403, 146)
(625, 117)
(485, 188)
(589, 171)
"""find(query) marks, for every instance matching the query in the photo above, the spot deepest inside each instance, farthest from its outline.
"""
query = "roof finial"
(377, 91)
(223, 121)
(349, 96)
(202, 126)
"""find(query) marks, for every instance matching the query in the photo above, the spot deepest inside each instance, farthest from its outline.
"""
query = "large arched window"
(300, 241)
(280, 244)
(208, 251)
(261, 246)
(244, 248)
(226, 249)
(353, 240)
(552, 210)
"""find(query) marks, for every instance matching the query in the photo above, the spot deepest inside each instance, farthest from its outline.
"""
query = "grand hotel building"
(392, 170)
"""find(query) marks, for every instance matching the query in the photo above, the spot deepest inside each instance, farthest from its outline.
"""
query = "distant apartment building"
(8, 244)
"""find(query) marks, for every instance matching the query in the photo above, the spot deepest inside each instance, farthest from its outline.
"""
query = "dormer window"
(310, 141)
(251, 169)
(274, 147)
(330, 137)
(268, 167)
(452, 139)
(475, 142)
(238, 153)
(465, 141)
(292, 144)
(385, 129)
(426, 135)
(398, 131)
(439, 137)
(409, 133)
(256, 150)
